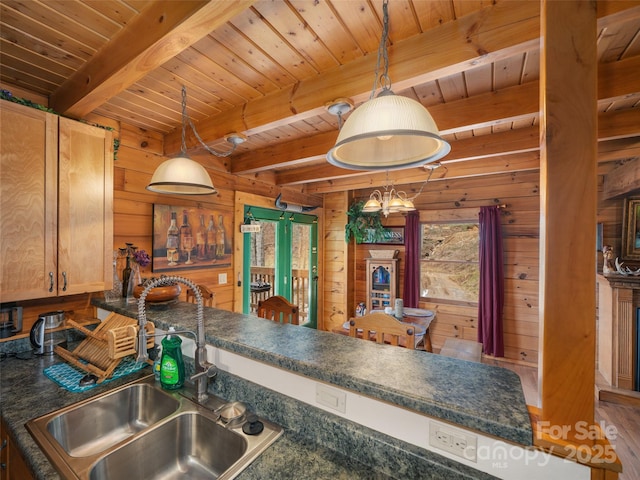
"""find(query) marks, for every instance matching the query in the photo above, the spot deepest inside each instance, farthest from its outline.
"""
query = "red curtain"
(491, 297)
(412, 260)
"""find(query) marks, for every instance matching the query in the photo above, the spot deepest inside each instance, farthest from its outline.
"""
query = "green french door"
(281, 259)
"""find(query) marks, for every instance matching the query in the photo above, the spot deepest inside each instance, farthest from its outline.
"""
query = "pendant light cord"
(185, 120)
(383, 54)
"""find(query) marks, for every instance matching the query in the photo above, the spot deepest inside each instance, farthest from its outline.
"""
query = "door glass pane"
(262, 263)
(300, 284)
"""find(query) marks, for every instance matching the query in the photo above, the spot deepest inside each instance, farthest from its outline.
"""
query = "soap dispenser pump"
(171, 363)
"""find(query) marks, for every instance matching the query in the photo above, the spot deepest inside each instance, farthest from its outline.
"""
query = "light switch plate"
(222, 278)
(331, 398)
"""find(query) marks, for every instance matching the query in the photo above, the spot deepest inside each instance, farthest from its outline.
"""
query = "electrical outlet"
(453, 440)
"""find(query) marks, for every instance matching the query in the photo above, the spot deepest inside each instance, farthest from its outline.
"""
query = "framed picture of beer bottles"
(188, 237)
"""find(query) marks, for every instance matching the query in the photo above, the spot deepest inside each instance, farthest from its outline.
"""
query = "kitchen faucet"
(204, 369)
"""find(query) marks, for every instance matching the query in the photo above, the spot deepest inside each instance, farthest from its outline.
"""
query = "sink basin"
(95, 426)
(141, 431)
(188, 446)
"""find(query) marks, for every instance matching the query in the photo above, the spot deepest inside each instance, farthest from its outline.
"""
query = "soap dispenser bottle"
(171, 363)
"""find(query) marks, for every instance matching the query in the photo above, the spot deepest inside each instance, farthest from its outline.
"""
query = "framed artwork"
(631, 229)
(190, 238)
(390, 236)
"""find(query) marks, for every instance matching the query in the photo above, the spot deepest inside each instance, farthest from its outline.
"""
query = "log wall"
(342, 265)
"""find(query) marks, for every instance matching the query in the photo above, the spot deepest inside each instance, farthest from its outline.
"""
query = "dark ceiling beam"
(162, 30)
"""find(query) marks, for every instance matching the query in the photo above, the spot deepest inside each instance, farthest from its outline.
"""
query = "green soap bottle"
(171, 363)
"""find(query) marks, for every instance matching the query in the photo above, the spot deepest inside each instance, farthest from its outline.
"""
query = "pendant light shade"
(181, 176)
(387, 133)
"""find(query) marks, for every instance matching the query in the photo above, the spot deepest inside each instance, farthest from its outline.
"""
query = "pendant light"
(183, 176)
(388, 132)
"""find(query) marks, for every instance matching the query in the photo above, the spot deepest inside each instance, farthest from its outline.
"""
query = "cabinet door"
(85, 208)
(28, 202)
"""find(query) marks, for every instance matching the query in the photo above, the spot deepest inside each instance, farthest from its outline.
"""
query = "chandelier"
(392, 200)
(389, 131)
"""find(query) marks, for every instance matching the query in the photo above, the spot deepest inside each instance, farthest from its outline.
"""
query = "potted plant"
(362, 225)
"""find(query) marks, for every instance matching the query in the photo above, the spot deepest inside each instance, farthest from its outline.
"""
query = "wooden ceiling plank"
(265, 37)
(234, 65)
(116, 10)
(49, 68)
(249, 52)
(295, 32)
(225, 86)
(169, 28)
(434, 13)
(323, 20)
(480, 38)
(44, 14)
(42, 38)
(25, 80)
(86, 16)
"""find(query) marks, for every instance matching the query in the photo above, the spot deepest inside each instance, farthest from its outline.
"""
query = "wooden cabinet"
(12, 463)
(56, 207)
(382, 283)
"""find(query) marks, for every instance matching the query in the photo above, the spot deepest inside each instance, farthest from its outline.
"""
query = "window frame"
(423, 261)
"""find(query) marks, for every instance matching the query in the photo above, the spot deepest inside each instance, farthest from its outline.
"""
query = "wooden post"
(568, 195)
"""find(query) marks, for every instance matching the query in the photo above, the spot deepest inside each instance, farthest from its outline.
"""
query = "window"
(449, 268)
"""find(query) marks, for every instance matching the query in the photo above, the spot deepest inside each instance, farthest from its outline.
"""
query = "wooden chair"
(208, 297)
(278, 309)
(384, 329)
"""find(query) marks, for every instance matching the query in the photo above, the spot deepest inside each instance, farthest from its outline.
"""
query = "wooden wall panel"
(337, 271)
(459, 200)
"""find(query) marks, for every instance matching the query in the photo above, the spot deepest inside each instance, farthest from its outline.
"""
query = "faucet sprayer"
(204, 369)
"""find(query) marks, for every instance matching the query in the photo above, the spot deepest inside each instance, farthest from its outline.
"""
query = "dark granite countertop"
(338, 449)
(26, 393)
(477, 396)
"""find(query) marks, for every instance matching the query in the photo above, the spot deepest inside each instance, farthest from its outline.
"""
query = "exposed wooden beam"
(489, 166)
(162, 30)
(622, 180)
(614, 80)
(510, 142)
(475, 39)
(568, 199)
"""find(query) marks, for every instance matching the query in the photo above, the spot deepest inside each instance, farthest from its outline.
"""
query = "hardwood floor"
(624, 420)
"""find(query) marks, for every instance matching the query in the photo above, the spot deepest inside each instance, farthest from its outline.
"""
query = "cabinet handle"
(51, 281)
(4, 444)
(64, 285)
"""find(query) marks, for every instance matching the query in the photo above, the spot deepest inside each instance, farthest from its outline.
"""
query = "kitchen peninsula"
(424, 390)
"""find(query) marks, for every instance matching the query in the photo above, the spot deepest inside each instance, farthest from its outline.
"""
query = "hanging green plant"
(362, 225)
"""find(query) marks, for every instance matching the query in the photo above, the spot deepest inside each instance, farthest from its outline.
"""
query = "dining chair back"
(278, 309)
(383, 328)
(208, 297)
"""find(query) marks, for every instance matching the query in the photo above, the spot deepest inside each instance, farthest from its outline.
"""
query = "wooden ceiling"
(268, 69)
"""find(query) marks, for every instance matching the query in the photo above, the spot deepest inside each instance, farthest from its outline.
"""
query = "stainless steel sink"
(93, 427)
(142, 431)
(188, 446)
